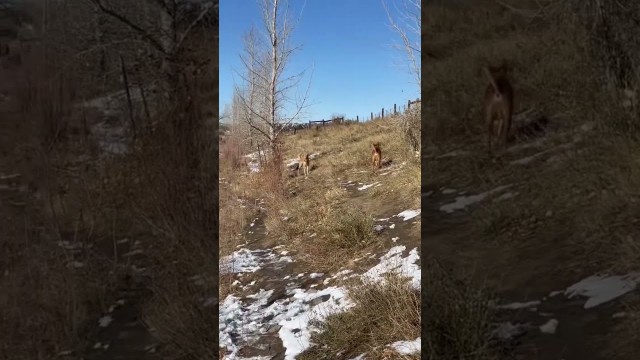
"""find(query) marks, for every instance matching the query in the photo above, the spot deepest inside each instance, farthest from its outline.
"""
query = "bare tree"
(163, 25)
(407, 24)
(239, 116)
(253, 99)
(227, 114)
(267, 91)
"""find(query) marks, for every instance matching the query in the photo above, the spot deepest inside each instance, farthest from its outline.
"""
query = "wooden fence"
(341, 120)
(334, 121)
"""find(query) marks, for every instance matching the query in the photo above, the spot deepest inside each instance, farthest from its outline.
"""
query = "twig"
(527, 13)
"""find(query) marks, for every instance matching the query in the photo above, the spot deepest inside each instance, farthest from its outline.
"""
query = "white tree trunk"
(274, 75)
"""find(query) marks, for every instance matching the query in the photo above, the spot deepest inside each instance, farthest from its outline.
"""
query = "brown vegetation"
(318, 205)
(156, 190)
(575, 198)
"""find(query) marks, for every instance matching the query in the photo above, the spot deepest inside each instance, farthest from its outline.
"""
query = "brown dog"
(303, 162)
(498, 105)
(376, 156)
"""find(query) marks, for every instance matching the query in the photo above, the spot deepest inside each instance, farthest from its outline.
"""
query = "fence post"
(408, 104)
(372, 115)
(394, 109)
(357, 119)
(383, 113)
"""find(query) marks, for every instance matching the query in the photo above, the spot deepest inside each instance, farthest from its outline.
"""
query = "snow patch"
(462, 202)
(393, 262)
(518, 305)
(105, 321)
(407, 347)
(601, 289)
(296, 331)
(366, 186)
(409, 214)
(549, 327)
(246, 261)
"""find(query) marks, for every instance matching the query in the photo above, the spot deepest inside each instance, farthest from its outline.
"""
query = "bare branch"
(265, 97)
(410, 24)
(526, 13)
(152, 41)
(184, 34)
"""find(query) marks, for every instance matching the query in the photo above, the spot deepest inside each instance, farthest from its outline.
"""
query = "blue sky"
(346, 47)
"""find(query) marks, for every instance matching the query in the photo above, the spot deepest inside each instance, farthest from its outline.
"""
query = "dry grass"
(177, 313)
(594, 178)
(543, 56)
(320, 205)
(161, 193)
(313, 218)
(47, 303)
(390, 312)
(347, 230)
(459, 318)
(588, 206)
(574, 209)
(168, 187)
(383, 314)
(340, 235)
(236, 204)
(626, 347)
(345, 152)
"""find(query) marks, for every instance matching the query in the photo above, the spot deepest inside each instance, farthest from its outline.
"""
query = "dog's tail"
(374, 147)
(492, 81)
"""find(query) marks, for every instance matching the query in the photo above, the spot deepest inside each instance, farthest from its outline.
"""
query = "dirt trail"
(579, 329)
(117, 334)
(120, 332)
(281, 279)
(530, 287)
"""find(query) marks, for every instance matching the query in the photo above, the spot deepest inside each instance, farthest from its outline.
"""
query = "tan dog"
(498, 105)
(303, 162)
(376, 156)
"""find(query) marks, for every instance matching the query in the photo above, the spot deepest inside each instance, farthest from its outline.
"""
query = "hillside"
(533, 251)
(330, 267)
